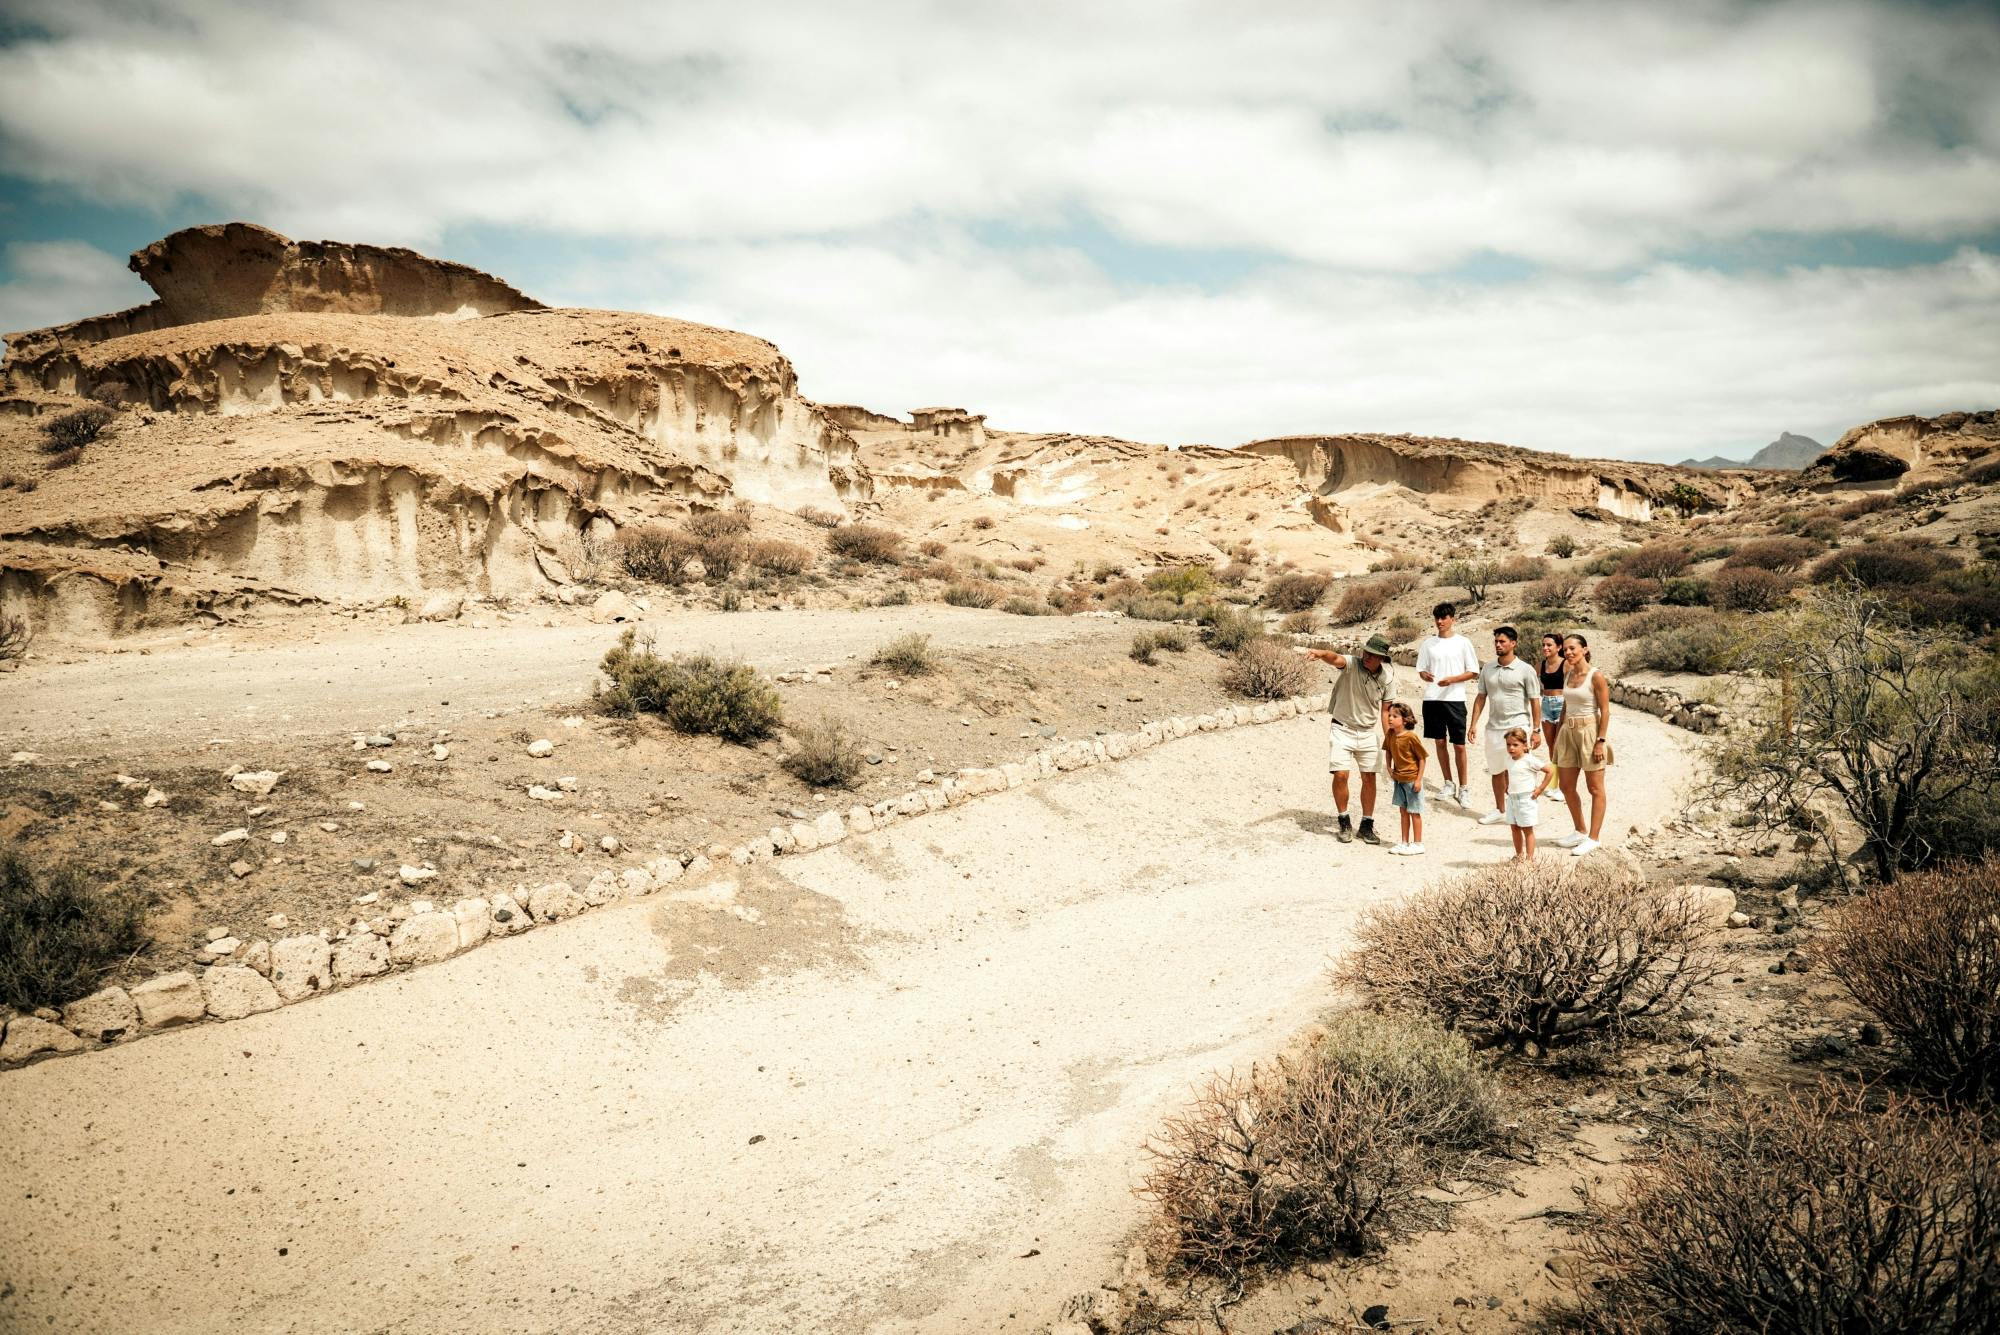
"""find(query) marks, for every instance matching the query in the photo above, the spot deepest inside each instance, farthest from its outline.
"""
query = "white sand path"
(853, 1095)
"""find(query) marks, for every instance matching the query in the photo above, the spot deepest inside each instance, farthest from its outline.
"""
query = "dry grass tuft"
(1263, 670)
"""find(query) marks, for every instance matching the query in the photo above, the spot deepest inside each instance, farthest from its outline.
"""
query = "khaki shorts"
(1354, 748)
(1575, 745)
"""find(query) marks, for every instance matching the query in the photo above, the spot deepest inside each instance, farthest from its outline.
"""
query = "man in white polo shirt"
(1510, 693)
(1445, 662)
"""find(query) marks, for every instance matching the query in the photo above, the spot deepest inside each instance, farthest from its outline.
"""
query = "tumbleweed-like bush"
(1923, 953)
(1802, 1214)
(1623, 593)
(1749, 589)
(779, 558)
(907, 655)
(1296, 593)
(1525, 953)
(823, 754)
(705, 524)
(693, 693)
(1441, 1092)
(60, 932)
(75, 429)
(16, 634)
(1655, 560)
(720, 554)
(866, 542)
(1226, 630)
(1783, 555)
(1264, 670)
(656, 553)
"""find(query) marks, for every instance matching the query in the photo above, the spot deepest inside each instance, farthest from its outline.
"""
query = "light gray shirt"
(1513, 693)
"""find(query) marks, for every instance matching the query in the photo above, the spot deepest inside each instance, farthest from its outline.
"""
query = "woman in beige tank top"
(1582, 746)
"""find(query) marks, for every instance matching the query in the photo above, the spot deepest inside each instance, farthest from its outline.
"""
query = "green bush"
(1562, 546)
(1685, 591)
(1296, 593)
(907, 656)
(1475, 577)
(1707, 647)
(1748, 589)
(61, 932)
(1607, 563)
(1803, 1213)
(1227, 630)
(1153, 609)
(1172, 639)
(1182, 582)
(1624, 593)
(866, 542)
(75, 429)
(823, 755)
(693, 693)
(1780, 554)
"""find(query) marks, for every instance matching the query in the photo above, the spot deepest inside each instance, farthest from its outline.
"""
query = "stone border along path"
(295, 968)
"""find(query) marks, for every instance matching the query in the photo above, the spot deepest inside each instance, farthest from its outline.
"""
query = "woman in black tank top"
(1552, 688)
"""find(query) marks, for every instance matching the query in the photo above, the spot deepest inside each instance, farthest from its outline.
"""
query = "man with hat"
(1356, 733)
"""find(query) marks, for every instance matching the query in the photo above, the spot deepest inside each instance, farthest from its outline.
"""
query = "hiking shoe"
(1494, 818)
(1368, 835)
(1345, 833)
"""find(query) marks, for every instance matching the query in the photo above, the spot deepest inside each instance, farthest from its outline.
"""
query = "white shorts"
(1353, 748)
(1493, 737)
(1522, 810)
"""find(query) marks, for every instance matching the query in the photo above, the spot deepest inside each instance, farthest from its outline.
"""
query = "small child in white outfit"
(1524, 767)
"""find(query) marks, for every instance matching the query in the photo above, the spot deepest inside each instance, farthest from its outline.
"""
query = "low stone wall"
(1669, 705)
(263, 976)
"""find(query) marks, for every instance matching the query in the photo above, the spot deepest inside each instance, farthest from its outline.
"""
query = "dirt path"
(331, 674)
(897, 1085)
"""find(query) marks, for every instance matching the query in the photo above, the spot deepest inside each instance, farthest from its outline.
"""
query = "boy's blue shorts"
(1409, 797)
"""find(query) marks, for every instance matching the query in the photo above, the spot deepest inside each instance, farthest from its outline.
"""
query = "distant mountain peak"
(1789, 450)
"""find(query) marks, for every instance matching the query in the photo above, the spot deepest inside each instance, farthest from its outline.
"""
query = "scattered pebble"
(380, 766)
(542, 748)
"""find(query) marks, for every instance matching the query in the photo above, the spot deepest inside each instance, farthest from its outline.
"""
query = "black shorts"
(1444, 720)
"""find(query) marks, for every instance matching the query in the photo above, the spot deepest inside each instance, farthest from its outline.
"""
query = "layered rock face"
(1463, 474)
(1908, 448)
(332, 422)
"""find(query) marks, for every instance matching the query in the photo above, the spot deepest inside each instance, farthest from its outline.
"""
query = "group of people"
(1560, 703)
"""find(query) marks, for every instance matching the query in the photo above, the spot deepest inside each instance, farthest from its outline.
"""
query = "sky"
(1637, 230)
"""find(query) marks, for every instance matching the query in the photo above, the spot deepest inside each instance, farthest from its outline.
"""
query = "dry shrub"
(1647, 620)
(1170, 638)
(819, 518)
(1563, 546)
(1227, 630)
(1026, 607)
(1398, 561)
(1027, 565)
(1558, 590)
(1360, 600)
(1296, 593)
(779, 558)
(1655, 560)
(1923, 953)
(1781, 554)
(932, 548)
(972, 593)
(692, 692)
(1520, 953)
(1863, 506)
(16, 634)
(588, 557)
(704, 524)
(61, 931)
(1402, 630)
(983, 522)
(907, 655)
(1894, 561)
(866, 542)
(720, 555)
(1520, 570)
(1263, 670)
(1748, 589)
(1067, 599)
(75, 429)
(1300, 623)
(1708, 644)
(823, 754)
(1236, 574)
(1624, 593)
(68, 458)
(1802, 1214)
(656, 553)
(1314, 1155)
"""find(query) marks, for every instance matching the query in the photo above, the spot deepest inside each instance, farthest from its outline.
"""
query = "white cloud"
(1670, 363)
(55, 282)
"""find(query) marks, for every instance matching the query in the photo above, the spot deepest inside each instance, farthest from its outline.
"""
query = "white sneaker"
(1413, 850)
(1494, 818)
(1399, 849)
(1445, 793)
(1570, 840)
(1586, 846)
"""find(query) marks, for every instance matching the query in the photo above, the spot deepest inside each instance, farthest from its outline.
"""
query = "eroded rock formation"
(1908, 448)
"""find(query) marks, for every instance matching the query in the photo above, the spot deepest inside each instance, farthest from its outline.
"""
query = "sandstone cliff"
(340, 422)
(1908, 448)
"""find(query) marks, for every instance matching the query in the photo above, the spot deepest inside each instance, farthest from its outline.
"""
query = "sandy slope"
(855, 1096)
(335, 678)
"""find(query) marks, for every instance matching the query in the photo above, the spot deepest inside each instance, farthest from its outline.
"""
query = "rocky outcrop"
(325, 421)
(1463, 474)
(1909, 448)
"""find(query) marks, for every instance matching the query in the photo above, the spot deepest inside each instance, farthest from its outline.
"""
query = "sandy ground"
(323, 676)
(897, 1085)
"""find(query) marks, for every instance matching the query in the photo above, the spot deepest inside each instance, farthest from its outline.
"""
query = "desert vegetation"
(907, 655)
(823, 754)
(1266, 670)
(692, 693)
(61, 931)
(16, 634)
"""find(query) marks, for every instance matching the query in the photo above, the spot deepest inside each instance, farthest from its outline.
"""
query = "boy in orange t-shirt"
(1405, 754)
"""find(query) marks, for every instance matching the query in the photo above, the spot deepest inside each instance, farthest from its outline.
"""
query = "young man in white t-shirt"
(1445, 662)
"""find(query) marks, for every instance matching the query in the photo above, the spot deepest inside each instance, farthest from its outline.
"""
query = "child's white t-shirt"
(1524, 774)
